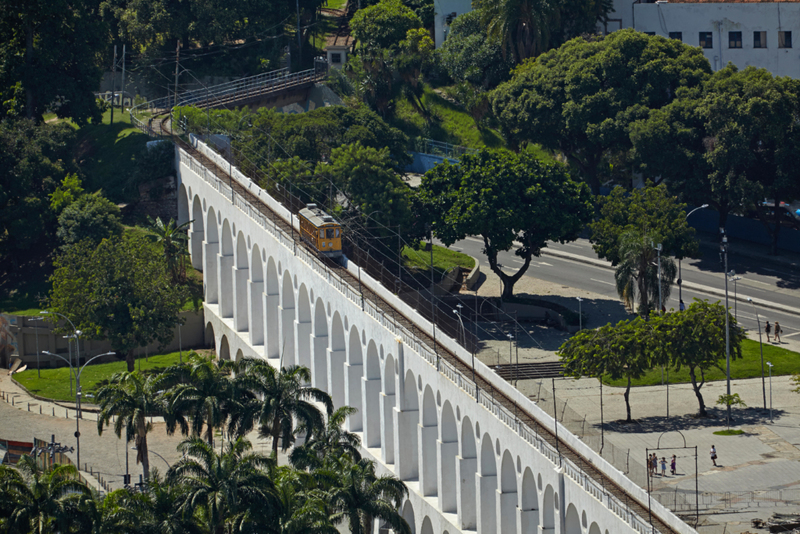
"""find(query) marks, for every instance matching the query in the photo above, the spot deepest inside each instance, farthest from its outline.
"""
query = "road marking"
(544, 263)
(790, 335)
(602, 282)
(475, 239)
(573, 245)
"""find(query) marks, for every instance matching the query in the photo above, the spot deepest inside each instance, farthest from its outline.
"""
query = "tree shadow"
(715, 421)
(596, 312)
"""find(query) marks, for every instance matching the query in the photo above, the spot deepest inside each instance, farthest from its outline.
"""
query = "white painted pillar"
(371, 390)
(487, 502)
(336, 376)
(507, 520)
(352, 377)
(272, 323)
(210, 251)
(387, 428)
(466, 471)
(196, 249)
(406, 451)
(240, 298)
(561, 510)
(428, 474)
(447, 453)
(302, 354)
(255, 299)
(319, 362)
(224, 268)
(286, 348)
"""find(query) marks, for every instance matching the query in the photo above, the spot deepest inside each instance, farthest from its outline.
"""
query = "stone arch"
(529, 505)
(572, 522)
(387, 409)
(371, 397)
(273, 311)
(448, 450)
(427, 526)
(594, 529)
(196, 235)
(210, 339)
(467, 468)
(487, 486)
(336, 360)
(183, 205)
(239, 355)
(303, 327)
(319, 351)
(224, 349)
(429, 434)
(548, 508)
(240, 277)
(210, 258)
(408, 515)
(507, 506)
(256, 297)
(353, 375)
(226, 272)
(287, 320)
(407, 430)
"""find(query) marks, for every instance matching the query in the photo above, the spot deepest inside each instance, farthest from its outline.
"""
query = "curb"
(690, 285)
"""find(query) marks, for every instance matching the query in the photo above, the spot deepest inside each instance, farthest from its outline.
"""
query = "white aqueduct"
(469, 463)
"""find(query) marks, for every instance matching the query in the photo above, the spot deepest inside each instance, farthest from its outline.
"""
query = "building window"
(784, 39)
(676, 35)
(759, 39)
(649, 33)
(734, 39)
(706, 40)
(336, 57)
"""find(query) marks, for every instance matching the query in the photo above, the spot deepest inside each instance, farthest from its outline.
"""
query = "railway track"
(633, 505)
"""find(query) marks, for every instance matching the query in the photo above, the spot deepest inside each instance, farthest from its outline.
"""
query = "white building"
(745, 33)
(444, 13)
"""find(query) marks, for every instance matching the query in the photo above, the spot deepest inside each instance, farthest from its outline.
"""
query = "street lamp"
(580, 314)
(735, 279)
(78, 395)
(75, 333)
(511, 356)
(770, 391)
(724, 251)
(659, 248)
(38, 367)
(460, 320)
(761, 348)
(680, 281)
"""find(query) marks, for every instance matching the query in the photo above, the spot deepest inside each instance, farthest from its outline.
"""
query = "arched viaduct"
(470, 466)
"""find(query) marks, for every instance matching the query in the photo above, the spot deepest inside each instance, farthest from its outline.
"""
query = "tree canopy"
(382, 26)
(90, 218)
(505, 198)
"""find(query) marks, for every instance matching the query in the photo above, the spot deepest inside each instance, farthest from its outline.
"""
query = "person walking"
(682, 306)
(663, 466)
(768, 330)
(713, 454)
(673, 465)
(778, 332)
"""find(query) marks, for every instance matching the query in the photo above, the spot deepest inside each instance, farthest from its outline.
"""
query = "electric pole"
(113, 79)
(122, 91)
(177, 65)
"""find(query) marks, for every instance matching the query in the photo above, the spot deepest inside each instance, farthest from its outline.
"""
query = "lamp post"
(770, 391)
(735, 279)
(761, 348)
(680, 281)
(78, 396)
(75, 333)
(659, 248)
(580, 313)
(38, 367)
(511, 356)
(724, 252)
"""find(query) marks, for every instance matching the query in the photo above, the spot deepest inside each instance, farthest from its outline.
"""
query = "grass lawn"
(729, 432)
(336, 4)
(785, 362)
(54, 383)
(443, 259)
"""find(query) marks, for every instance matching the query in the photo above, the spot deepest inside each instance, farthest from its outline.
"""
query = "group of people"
(768, 330)
(653, 463)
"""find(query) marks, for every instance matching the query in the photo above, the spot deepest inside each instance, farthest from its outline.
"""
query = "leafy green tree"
(224, 488)
(68, 191)
(582, 98)
(43, 501)
(382, 26)
(303, 506)
(103, 514)
(505, 198)
(173, 239)
(120, 291)
(159, 507)
(282, 406)
(415, 55)
(361, 496)
(128, 399)
(90, 218)
(637, 272)
(333, 440)
(50, 58)
(616, 351)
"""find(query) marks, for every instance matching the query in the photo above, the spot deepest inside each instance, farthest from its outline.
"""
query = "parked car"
(782, 213)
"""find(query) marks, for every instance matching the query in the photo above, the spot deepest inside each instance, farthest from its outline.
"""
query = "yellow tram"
(321, 231)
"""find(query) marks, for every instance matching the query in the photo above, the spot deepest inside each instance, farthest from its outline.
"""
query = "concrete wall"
(470, 466)
(745, 229)
(30, 333)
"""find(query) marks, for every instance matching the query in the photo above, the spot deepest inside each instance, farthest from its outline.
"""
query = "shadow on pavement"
(715, 421)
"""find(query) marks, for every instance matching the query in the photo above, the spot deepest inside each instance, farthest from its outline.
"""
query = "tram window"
(322, 233)
(330, 233)
(337, 232)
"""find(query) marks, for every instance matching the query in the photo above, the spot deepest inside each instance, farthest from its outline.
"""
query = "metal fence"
(438, 148)
(682, 500)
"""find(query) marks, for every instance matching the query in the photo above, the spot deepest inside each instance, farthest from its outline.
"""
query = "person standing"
(768, 330)
(713, 454)
(663, 466)
(682, 306)
(673, 465)
(778, 332)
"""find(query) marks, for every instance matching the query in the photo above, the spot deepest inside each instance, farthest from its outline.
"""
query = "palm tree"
(158, 507)
(521, 26)
(42, 501)
(227, 489)
(130, 398)
(637, 272)
(303, 506)
(199, 394)
(280, 399)
(105, 515)
(333, 440)
(173, 238)
(361, 496)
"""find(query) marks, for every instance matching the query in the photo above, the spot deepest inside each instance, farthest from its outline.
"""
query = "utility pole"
(177, 66)
(724, 253)
(113, 79)
(299, 38)
(122, 91)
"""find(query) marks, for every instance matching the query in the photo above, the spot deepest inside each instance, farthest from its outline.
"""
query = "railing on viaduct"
(585, 473)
